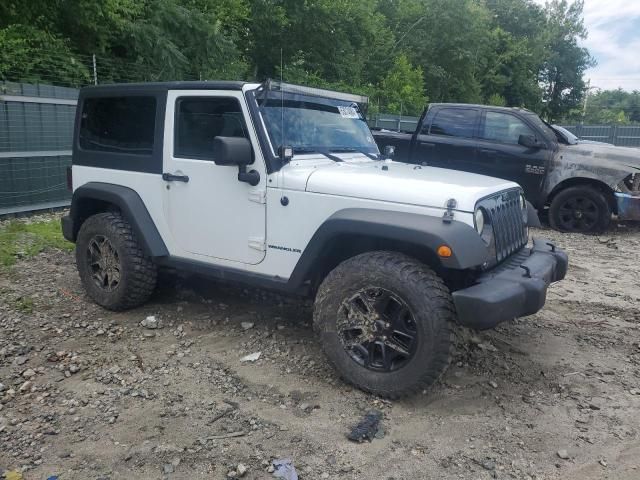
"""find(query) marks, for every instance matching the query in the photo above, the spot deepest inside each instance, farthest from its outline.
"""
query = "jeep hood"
(396, 182)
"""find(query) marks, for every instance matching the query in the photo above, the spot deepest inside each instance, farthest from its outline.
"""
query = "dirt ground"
(90, 394)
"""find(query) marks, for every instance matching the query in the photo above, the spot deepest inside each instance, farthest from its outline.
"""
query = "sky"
(614, 41)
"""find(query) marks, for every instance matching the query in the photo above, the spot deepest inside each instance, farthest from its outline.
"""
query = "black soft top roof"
(159, 86)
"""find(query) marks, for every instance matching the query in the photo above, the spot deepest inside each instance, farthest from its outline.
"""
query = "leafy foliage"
(398, 52)
(19, 48)
(402, 90)
(612, 107)
(562, 73)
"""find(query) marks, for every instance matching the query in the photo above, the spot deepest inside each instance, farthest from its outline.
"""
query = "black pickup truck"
(582, 184)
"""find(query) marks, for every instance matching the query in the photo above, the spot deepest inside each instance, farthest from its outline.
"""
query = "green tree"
(339, 41)
(606, 106)
(448, 39)
(562, 72)
(20, 58)
(516, 53)
(402, 90)
(396, 51)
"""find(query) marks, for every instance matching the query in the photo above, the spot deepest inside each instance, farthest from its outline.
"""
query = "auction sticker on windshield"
(348, 112)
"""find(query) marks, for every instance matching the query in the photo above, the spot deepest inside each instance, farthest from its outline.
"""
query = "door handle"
(170, 177)
(487, 151)
(427, 144)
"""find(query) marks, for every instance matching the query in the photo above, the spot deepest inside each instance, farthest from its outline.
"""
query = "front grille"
(505, 216)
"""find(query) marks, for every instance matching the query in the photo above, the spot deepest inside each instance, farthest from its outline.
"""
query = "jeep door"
(447, 138)
(209, 212)
(500, 155)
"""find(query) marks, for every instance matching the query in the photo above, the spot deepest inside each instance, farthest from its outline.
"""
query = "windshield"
(566, 135)
(315, 124)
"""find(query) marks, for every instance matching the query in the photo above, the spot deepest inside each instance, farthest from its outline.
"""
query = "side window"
(200, 119)
(118, 124)
(504, 128)
(454, 122)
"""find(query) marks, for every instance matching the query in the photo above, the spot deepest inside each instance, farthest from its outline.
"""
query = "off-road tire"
(138, 273)
(560, 220)
(424, 293)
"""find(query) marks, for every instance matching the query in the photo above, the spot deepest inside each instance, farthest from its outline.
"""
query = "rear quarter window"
(123, 125)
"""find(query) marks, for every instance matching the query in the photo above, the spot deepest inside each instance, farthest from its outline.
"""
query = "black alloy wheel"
(385, 321)
(104, 262)
(377, 329)
(578, 213)
(114, 269)
(580, 209)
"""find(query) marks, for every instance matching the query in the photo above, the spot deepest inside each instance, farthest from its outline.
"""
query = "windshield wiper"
(324, 152)
(356, 150)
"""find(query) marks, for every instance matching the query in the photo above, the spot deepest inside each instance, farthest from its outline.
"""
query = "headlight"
(479, 221)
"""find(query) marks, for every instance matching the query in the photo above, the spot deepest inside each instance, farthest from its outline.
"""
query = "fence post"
(613, 136)
(95, 71)
(578, 132)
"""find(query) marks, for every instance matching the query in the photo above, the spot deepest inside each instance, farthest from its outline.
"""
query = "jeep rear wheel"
(581, 209)
(113, 268)
(385, 323)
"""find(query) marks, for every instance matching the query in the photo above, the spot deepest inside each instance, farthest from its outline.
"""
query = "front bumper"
(516, 288)
(628, 206)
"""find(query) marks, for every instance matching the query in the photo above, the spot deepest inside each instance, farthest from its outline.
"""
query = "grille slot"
(505, 216)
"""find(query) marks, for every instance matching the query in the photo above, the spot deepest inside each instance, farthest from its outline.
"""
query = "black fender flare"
(130, 205)
(468, 249)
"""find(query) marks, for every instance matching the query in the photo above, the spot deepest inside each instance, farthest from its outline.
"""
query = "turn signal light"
(444, 251)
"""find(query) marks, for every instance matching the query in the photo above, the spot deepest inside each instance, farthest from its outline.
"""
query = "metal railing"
(620, 135)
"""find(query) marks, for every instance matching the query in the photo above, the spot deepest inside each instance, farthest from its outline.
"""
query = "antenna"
(282, 135)
(284, 201)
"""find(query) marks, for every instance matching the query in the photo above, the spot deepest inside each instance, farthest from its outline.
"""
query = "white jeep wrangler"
(283, 187)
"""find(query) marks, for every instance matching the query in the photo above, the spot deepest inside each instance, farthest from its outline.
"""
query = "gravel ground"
(91, 394)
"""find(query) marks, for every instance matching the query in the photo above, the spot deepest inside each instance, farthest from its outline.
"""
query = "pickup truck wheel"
(113, 268)
(581, 209)
(385, 322)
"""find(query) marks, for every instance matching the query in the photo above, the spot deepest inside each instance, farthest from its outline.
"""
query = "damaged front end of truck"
(628, 197)
(617, 168)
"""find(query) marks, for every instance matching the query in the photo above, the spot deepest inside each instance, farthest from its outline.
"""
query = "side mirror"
(389, 151)
(232, 151)
(236, 151)
(529, 141)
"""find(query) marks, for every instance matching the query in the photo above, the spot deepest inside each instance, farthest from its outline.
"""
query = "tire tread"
(413, 273)
(141, 272)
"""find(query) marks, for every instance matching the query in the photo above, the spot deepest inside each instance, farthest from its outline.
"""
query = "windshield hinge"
(448, 215)
(257, 243)
(258, 196)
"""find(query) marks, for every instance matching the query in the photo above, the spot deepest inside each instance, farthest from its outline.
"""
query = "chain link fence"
(36, 129)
